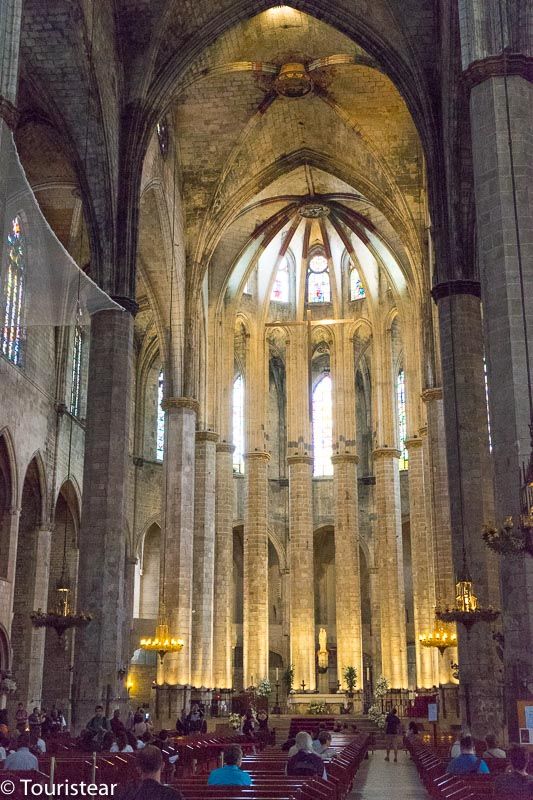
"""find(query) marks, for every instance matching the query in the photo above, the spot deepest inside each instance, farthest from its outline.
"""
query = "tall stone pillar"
(203, 559)
(255, 577)
(438, 506)
(10, 22)
(390, 565)
(178, 532)
(100, 649)
(300, 462)
(223, 583)
(423, 572)
(468, 465)
(346, 514)
(347, 568)
(501, 121)
(302, 600)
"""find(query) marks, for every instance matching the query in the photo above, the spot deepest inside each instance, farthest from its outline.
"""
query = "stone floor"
(378, 779)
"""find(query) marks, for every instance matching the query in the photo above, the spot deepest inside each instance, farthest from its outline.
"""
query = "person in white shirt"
(21, 759)
(455, 751)
(493, 751)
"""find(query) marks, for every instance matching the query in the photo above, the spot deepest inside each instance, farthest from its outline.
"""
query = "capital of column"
(413, 443)
(127, 303)
(9, 113)
(423, 431)
(173, 403)
(257, 455)
(386, 452)
(434, 393)
(206, 436)
(225, 447)
(498, 66)
(299, 460)
(345, 458)
(442, 291)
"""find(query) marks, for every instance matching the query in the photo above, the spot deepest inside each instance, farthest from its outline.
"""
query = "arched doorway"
(150, 572)
(31, 589)
(59, 653)
(325, 606)
(6, 506)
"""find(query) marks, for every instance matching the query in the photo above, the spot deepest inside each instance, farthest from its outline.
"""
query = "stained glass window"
(75, 389)
(14, 280)
(487, 400)
(318, 285)
(280, 290)
(323, 427)
(357, 290)
(162, 136)
(402, 419)
(238, 424)
(160, 435)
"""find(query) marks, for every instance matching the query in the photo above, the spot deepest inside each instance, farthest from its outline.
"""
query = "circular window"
(318, 264)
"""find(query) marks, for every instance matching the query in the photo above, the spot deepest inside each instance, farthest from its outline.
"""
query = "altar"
(308, 703)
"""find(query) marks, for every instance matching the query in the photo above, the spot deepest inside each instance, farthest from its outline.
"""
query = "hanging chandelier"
(442, 636)
(515, 537)
(467, 611)
(162, 643)
(60, 616)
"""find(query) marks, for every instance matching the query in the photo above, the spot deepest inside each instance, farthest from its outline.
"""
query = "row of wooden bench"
(441, 785)
(266, 768)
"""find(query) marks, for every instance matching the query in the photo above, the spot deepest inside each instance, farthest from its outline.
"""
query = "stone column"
(255, 578)
(423, 573)
(438, 505)
(300, 463)
(390, 565)
(10, 22)
(35, 664)
(468, 465)
(100, 649)
(203, 559)
(302, 599)
(347, 568)
(222, 630)
(501, 121)
(178, 532)
(375, 612)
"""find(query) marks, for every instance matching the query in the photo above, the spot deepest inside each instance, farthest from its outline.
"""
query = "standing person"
(467, 763)
(231, 773)
(150, 762)
(98, 726)
(35, 720)
(248, 725)
(517, 783)
(21, 718)
(195, 719)
(393, 729)
(116, 723)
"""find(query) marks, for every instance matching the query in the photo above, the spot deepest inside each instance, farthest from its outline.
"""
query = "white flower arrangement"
(234, 721)
(376, 715)
(264, 688)
(382, 687)
(317, 708)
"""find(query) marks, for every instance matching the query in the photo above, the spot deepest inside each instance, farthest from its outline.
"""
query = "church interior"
(294, 437)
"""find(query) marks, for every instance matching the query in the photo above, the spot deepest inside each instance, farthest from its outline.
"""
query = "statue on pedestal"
(323, 655)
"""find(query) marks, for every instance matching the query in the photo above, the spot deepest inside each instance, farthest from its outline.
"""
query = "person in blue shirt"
(467, 763)
(231, 773)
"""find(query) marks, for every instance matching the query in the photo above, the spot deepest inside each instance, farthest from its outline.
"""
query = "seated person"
(121, 745)
(455, 749)
(150, 762)
(516, 783)
(37, 744)
(22, 759)
(116, 723)
(288, 745)
(467, 763)
(4, 745)
(231, 773)
(305, 761)
(493, 751)
(322, 746)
